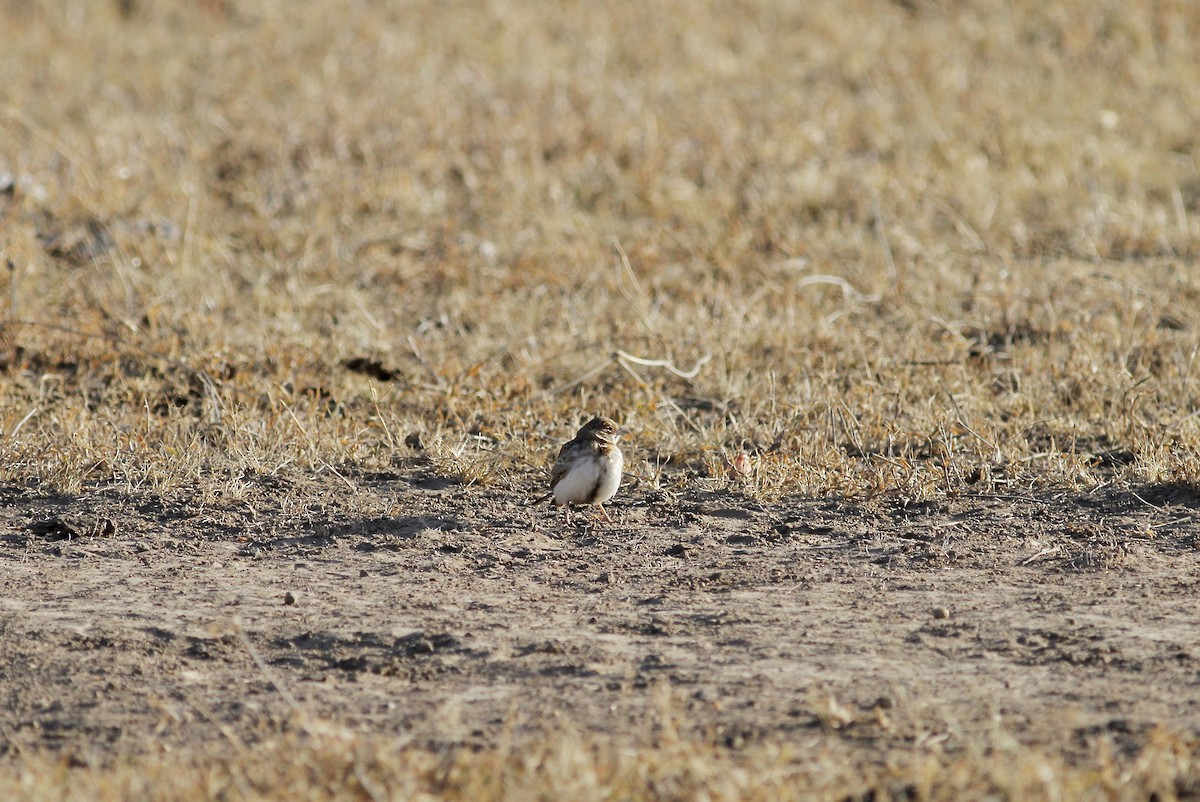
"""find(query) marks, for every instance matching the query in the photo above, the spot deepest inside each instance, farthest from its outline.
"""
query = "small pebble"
(941, 613)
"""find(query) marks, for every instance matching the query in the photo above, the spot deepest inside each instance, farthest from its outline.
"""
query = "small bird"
(588, 468)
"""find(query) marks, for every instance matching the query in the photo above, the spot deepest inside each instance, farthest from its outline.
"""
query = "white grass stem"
(28, 416)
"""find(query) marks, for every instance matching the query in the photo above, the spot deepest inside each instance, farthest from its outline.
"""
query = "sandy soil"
(136, 622)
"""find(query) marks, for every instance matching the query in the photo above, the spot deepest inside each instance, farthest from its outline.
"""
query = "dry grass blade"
(664, 363)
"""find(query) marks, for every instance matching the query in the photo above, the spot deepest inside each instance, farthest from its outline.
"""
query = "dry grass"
(922, 244)
(913, 248)
(564, 765)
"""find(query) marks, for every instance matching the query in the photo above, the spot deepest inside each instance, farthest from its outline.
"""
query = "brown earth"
(405, 603)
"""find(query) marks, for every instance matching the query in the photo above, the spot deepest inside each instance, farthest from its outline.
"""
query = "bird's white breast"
(579, 483)
(610, 478)
(590, 480)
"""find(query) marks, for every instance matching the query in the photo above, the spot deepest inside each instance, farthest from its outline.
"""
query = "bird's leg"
(604, 512)
(567, 514)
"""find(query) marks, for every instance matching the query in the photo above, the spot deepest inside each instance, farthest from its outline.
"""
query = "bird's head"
(605, 430)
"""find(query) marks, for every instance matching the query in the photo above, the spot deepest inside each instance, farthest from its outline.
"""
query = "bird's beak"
(620, 432)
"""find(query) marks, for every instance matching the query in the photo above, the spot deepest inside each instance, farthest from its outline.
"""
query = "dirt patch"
(448, 614)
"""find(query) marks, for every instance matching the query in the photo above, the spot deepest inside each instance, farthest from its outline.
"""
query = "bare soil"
(134, 622)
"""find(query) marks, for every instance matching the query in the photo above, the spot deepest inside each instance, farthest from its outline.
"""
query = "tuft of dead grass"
(568, 765)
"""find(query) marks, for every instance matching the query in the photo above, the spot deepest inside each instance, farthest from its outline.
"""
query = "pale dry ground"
(268, 259)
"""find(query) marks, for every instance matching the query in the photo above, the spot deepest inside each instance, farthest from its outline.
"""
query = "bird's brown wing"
(562, 464)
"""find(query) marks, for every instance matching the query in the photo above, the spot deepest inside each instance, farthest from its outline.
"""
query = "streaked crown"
(602, 429)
